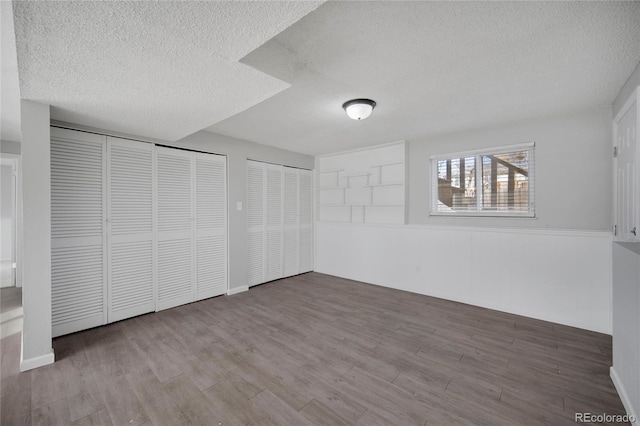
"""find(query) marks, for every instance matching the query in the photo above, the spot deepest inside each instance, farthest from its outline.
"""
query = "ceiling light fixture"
(359, 109)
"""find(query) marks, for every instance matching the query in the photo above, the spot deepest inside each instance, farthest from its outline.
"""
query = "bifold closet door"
(211, 225)
(273, 258)
(290, 222)
(264, 221)
(280, 221)
(78, 246)
(175, 219)
(130, 171)
(306, 221)
(256, 221)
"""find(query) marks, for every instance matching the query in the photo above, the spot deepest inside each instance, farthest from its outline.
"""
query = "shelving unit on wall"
(363, 186)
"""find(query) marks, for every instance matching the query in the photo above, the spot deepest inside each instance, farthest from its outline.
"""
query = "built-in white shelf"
(356, 174)
(387, 184)
(388, 164)
(330, 171)
(364, 186)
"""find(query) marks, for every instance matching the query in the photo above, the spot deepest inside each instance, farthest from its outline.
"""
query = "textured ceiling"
(155, 69)
(436, 67)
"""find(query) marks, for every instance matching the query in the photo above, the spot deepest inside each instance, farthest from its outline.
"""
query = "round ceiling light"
(359, 109)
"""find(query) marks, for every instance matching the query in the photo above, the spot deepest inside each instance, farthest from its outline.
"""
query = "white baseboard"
(237, 290)
(35, 362)
(628, 406)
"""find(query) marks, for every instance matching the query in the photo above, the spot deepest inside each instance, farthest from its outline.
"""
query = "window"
(490, 182)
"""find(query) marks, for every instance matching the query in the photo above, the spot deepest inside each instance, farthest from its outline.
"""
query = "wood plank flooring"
(316, 350)
(10, 311)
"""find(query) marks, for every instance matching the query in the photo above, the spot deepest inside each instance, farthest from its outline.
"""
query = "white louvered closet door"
(78, 273)
(306, 220)
(130, 171)
(175, 214)
(256, 213)
(290, 227)
(274, 222)
(211, 225)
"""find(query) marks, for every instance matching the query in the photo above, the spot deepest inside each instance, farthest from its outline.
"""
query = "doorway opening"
(9, 222)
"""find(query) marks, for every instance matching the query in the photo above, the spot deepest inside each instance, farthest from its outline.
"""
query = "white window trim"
(530, 146)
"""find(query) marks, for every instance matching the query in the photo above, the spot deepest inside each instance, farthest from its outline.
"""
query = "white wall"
(11, 151)
(9, 147)
(626, 324)
(625, 371)
(6, 212)
(627, 89)
(558, 276)
(7, 221)
(573, 171)
(555, 267)
(36, 202)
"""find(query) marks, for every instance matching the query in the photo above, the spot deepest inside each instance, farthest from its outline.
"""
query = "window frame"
(477, 154)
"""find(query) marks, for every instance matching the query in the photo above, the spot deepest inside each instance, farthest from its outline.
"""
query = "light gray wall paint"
(626, 317)
(6, 212)
(573, 171)
(629, 86)
(626, 297)
(237, 152)
(9, 147)
(36, 199)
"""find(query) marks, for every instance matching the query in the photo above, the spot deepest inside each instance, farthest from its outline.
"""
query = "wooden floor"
(10, 311)
(316, 349)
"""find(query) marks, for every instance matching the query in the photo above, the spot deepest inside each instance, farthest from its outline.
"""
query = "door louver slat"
(306, 221)
(77, 229)
(279, 221)
(255, 222)
(274, 222)
(211, 226)
(130, 185)
(290, 249)
(175, 228)
(135, 228)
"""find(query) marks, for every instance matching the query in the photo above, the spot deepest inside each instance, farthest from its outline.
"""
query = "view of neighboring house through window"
(491, 182)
